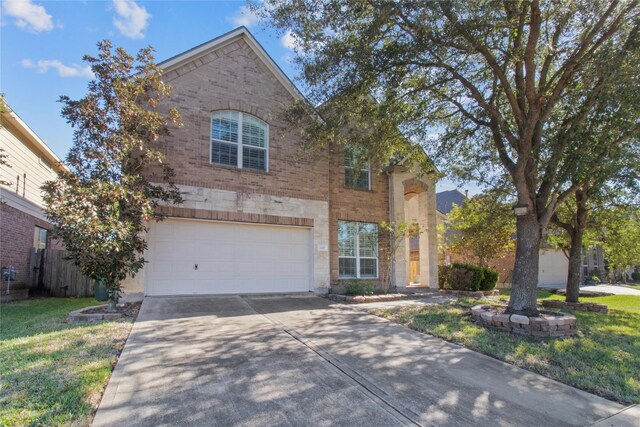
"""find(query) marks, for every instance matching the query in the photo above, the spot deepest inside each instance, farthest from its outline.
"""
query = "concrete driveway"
(301, 360)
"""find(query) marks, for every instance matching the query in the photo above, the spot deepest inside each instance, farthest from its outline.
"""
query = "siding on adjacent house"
(25, 160)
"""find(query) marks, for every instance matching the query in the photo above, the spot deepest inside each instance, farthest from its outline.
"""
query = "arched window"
(239, 140)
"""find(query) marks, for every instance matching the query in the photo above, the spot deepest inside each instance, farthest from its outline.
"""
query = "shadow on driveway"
(298, 360)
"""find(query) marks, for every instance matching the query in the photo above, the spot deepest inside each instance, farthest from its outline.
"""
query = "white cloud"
(244, 17)
(132, 19)
(28, 16)
(43, 65)
(289, 41)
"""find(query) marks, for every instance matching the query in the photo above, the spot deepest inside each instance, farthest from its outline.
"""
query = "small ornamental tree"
(394, 235)
(100, 207)
(619, 234)
(481, 228)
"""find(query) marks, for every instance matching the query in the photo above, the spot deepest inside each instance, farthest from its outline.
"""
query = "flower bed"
(472, 294)
(99, 312)
(547, 324)
(360, 299)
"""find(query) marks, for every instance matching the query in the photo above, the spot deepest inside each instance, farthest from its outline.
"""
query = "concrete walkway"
(258, 361)
(612, 289)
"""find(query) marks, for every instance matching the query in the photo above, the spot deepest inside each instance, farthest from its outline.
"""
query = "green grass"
(628, 303)
(604, 358)
(54, 373)
(635, 287)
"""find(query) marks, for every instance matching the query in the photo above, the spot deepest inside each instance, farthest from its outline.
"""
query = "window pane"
(224, 126)
(254, 158)
(368, 267)
(353, 157)
(347, 239)
(355, 178)
(368, 239)
(254, 132)
(40, 238)
(347, 267)
(224, 154)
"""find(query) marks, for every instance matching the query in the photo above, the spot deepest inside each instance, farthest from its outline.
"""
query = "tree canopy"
(492, 87)
(481, 228)
(101, 206)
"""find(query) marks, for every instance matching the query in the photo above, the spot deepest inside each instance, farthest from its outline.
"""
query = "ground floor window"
(357, 250)
(40, 238)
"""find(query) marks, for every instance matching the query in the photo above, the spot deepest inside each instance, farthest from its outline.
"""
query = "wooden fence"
(50, 270)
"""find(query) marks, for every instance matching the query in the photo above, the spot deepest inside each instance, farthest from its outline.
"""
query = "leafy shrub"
(368, 288)
(353, 288)
(356, 287)
(636, 275)
(443, 273)
(467, 277)
(490, 279)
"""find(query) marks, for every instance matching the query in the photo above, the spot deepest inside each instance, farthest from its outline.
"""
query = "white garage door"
(204, 257)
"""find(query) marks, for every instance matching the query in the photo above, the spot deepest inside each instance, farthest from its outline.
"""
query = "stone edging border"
(473, 294)
(555, 324)
(578, 306)
(79, 315)
(361, 299)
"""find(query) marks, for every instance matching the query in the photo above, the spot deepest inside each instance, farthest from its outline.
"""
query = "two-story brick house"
(260, 216)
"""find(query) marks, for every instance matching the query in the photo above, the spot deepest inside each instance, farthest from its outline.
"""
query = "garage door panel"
(231, 258)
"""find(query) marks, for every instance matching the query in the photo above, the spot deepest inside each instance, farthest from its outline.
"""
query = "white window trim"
(239, 144)
(358, 257)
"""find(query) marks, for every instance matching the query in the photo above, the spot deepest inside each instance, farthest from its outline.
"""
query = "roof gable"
(446, 199)
(228, 38)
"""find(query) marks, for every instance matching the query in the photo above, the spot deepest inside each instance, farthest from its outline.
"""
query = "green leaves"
(482, 228)
(101, 207)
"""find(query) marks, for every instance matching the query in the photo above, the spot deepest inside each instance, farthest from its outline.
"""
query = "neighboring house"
(259, 214)
(23, 225)
(553, 264)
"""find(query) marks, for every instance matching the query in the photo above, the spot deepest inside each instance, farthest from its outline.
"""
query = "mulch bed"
(127, 309)
(99, 312)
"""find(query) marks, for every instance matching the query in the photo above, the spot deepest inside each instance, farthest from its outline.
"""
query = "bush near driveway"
(604, 358)
(54, 373)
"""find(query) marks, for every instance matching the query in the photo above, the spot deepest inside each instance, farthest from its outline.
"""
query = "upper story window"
(356, 169)
(239, 140)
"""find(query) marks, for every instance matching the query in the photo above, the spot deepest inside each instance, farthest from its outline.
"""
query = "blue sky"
(42, 44)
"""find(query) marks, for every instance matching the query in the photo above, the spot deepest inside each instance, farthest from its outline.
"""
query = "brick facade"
(349, 204)
(234, 78)
(299, 188)
(17, 231)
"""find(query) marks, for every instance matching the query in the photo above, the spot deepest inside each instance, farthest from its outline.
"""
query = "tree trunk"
(575, 264)
(575, 257)
(524, 291)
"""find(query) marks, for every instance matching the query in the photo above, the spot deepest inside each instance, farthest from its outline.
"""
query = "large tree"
(101, 206)
(505, 83)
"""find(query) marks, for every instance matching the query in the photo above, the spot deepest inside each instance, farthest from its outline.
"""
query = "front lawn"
(604, 358)
(54, 373)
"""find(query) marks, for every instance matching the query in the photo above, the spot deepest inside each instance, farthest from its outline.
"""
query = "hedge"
(466, 277)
